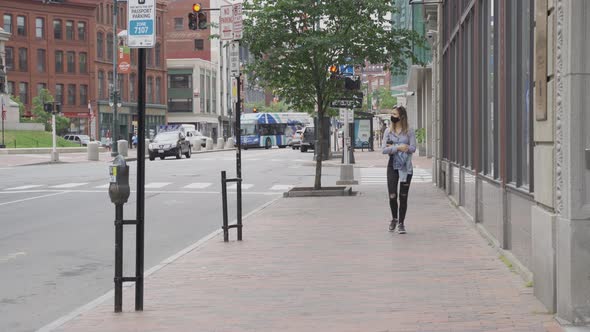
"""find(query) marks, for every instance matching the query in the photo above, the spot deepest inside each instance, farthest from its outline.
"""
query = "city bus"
(271, 129)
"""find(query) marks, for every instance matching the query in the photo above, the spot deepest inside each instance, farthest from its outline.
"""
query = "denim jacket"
(401, 161)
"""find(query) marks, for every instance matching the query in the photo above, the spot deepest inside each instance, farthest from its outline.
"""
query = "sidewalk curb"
(99, 300)
(197, 152)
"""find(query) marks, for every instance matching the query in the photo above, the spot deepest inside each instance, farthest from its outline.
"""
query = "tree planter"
(324, 192)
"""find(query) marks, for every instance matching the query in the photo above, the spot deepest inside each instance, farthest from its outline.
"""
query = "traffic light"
(192, 21)
(333, 69)
(197, 19)
(48, 107)
(254, 110)
(352, 84)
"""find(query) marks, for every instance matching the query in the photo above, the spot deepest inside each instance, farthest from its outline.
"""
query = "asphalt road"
(57, 232)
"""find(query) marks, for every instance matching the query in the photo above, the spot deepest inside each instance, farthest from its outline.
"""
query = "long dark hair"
(403, 117)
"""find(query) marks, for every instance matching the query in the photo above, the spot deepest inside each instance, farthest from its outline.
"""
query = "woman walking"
(399, 143)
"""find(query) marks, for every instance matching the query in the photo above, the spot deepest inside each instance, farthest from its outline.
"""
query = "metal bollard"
(224, 203)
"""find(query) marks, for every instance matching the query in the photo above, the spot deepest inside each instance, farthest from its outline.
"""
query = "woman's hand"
(403, 147)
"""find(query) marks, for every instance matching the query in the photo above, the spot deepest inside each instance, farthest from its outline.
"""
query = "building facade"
(51, 48)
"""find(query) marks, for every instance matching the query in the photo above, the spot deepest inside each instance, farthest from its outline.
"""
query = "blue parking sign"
(346, 70)
(140, 28)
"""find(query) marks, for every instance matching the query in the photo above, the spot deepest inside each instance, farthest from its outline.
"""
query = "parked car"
(307, 139)
(169, 143)
(296, 139)
(195, 137)
(80, 139)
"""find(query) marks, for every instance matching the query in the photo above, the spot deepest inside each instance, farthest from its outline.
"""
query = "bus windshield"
(249, 129)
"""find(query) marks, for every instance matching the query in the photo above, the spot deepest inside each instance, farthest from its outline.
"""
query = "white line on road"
(134, 191)
(25, 187)
(69, 185)
(104, 186)
(12, 256)
(197, 185)
(31, 198)
(157, 185)
(281, 187)
(244, 186)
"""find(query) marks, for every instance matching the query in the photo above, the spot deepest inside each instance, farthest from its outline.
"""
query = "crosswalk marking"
(104, 186)
(69, 185)
(281, 187)
(157, 185)
(197, 185)
(25, 187)
(244, 186)
(378, 176)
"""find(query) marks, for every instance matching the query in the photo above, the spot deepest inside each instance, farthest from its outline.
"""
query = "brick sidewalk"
(329, 264)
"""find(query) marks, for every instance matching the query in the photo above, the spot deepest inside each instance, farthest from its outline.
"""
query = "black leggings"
(392, 180)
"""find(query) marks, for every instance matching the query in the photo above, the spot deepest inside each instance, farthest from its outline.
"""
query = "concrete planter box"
(324, 192)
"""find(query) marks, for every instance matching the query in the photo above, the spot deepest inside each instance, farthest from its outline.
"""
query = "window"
(57, 29)
(83, 60)
(149, 57)
(40, 27)
(199, 44)
(10, 88)
(40, 87)
(110, 47)
(99, 45)
(23, 92)
(150, 90)
(81, 30)
(180, 105)
(41, 60)
(121, 85)
(21, 25)
(158, 54)
(110, 79)
(69, 30)
(214, 93)
(23, 63)
(71, 94)
(158, 90)
(178, 24)
(101, 84)
(59, 93)
(84, 95)
(101, 13)
(132, 87)
(202, 88)
(9, 58)
(133, 56)
(180, 81)
(59, 61)
(71, 62)
(8, 23)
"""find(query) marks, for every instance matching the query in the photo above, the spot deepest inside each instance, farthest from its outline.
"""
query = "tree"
(293, 43)
(384, 99)
(61, 123)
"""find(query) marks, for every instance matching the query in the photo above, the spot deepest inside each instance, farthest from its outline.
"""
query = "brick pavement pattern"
(329, 264)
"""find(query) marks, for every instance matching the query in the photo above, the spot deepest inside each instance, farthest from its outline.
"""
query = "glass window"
(133, 56)
(10, 88)
(23, 92)
(59, 93)
(199, 44)
(83, 60)
(158, 90)
(71, 62)
(81, 30)
(7, 23)
(59, 61)
(9, 58)
(40, 87)
(40, 27)
(23, 63)
(99, 45)
(83, 94)
(110, 47)
(70, 30)
(41, 60)
(150, 90)
(180, 81)
(132, 87)
(214, 94)
(178, 25)
(71, 94)
(121, 86)
(101, 84)
(21, 25)
(158, 54)
(149, 57)
(110, 79)
(202, 89)
(57, 33)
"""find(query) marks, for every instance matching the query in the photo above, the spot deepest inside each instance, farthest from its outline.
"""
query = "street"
(57, 243)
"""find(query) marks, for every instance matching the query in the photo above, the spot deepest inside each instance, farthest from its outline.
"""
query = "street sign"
(141, 24)
(234, 59)
(226, 18)
(346, 70)
(349, 101)
(237, 21)
(342, 115)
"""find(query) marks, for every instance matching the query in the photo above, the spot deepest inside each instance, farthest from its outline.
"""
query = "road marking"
(31, 198)
(378, 176)
(12, 256)
(197, 185)
(25, 187)
(157, 185)
(244, 186)
(69, 185)
(104, 186)
(281, 187)
(182, 192)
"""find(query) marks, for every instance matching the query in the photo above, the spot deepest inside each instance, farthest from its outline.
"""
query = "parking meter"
(119, 181)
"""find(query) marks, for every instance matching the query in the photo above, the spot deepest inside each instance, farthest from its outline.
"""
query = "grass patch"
(33, 139)
(506, 262)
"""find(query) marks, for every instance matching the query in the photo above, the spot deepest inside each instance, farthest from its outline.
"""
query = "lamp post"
(114, 93)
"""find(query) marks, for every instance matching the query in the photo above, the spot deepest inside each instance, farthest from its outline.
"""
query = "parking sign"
(141, 23)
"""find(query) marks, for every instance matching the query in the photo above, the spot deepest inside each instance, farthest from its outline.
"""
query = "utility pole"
(114, 92)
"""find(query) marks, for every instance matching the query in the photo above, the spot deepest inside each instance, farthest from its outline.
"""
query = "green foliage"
(33, 139)
(61, 123)
(293, 42)
(21, 106)
(420, 135)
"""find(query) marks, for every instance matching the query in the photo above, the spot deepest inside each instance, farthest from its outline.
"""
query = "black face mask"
(394, 119)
